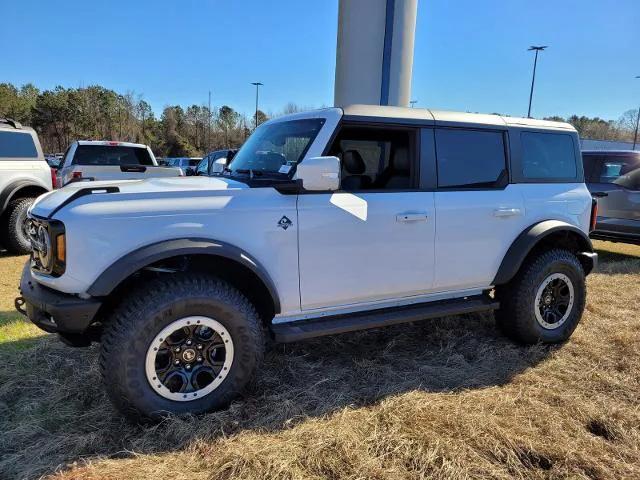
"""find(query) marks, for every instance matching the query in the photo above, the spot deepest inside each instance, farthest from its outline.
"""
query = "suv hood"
(48, 203)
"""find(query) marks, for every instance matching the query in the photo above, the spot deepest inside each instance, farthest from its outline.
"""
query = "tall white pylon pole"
(374, 55)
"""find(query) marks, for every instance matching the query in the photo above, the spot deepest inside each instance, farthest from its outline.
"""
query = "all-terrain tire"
(517, 314)
(15, 239)
(151, 307)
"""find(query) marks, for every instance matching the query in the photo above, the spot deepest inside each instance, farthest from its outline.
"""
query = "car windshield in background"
(111, 155)
(276, 147)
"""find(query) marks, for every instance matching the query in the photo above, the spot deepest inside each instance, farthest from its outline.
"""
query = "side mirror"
(218, 165)
(319, 173)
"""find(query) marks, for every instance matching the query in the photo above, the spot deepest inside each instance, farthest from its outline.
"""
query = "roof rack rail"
(10, 121)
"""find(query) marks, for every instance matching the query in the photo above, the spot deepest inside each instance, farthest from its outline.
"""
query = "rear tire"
(139, 349)
(545, 300)
(16, 238)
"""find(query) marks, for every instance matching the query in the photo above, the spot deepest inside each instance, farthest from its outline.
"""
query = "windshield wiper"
(251, 172)
(259, 173)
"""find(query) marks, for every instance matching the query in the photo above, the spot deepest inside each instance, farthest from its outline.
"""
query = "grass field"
(447, 398)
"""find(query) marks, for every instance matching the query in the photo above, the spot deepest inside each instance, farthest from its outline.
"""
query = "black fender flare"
(7, 194)
(530, 237)
(136, 260)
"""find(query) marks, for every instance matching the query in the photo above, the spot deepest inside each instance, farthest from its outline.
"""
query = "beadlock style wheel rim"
(189, 358)
(554, 301)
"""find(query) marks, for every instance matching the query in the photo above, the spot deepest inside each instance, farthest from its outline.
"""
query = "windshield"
(276, 147)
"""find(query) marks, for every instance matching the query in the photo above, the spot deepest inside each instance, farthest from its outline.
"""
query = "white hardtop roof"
(446, 117)
(110, 143)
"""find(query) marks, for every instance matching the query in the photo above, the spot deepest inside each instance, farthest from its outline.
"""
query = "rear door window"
(111, 155)
(470, 158)
(17, 145)
(548, 156)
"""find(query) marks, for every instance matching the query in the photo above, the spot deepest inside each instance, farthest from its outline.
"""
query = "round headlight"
(43, 247)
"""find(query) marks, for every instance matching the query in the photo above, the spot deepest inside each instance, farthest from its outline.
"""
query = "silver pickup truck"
(106, 160)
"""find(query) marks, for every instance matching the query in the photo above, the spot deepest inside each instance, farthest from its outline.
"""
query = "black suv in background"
(213, 163)
(614, 178)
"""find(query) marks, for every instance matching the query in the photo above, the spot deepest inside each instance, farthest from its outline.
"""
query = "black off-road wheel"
(545, 301)
(184, 343)
(16, 239)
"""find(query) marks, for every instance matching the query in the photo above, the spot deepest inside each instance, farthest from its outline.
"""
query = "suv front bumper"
(53, 311)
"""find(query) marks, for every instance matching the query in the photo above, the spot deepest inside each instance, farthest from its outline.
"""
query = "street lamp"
(413, 102)
(533, 79)
(258, 85)
(635, 136)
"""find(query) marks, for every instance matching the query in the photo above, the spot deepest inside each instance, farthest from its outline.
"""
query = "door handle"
(411, 217)
(506, 212)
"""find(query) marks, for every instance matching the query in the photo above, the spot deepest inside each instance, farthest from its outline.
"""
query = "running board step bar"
(303, 329)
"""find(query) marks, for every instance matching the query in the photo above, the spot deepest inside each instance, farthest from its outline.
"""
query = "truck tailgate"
(122, 172)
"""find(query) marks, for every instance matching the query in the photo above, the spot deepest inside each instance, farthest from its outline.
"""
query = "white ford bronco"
(324, 222)
(24, 175)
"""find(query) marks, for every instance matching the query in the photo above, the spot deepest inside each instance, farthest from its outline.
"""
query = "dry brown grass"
(448, 398)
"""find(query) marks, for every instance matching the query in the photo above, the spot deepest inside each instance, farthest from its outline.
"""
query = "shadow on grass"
(610, 262)
(53, 408)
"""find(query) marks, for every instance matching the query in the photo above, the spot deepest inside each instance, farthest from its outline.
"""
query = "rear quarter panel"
(569, 202)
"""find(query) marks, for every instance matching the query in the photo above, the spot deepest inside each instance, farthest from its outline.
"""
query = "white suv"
(24, 175)
(324, 222)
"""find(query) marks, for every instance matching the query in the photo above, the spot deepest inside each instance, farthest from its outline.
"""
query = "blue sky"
(470, 55)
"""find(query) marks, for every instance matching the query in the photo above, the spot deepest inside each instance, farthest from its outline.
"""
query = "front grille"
(37, 245)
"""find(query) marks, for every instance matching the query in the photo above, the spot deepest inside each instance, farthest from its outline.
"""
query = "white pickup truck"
(106, 160)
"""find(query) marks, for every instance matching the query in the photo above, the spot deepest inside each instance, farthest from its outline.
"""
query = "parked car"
(215, 162)
(54, 160)
(24, 175)
(106, 160)
(614, 177)
(188, 165)
(325, 222)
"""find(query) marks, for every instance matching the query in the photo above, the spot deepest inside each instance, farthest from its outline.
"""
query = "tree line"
(63, 115)
(621, 130)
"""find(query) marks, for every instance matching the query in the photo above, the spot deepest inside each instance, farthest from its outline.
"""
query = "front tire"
(186, 343)
(16, 238)
(545, 301)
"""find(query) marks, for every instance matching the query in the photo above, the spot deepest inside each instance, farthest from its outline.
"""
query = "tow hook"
(19, 304)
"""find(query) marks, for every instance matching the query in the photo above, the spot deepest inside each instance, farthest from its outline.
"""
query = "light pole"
(413, 103)
(209, 122)
(635, 136)
(533, 79)
(258, 85)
